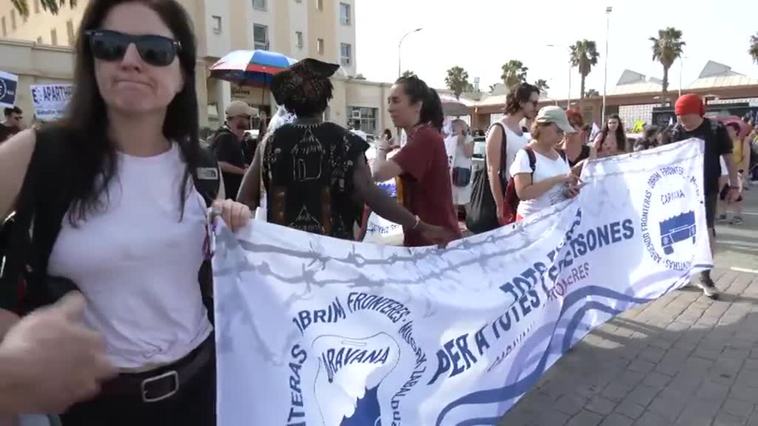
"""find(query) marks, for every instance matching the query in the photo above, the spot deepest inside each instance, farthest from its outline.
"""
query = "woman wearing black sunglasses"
(119, 192)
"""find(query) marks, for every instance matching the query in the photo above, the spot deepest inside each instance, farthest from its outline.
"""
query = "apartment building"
(41, 26)
(322, 29)
(38, 49)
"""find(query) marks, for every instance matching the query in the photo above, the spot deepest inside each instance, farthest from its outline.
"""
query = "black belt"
(163, 382)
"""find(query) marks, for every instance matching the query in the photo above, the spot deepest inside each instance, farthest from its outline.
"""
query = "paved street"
(681, 360)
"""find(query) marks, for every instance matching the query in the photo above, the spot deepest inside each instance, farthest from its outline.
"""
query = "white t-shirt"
(545, 168)
(137, 264)
(514, 143)
(461, 194)
(451, 143)
(456, 155)
(460, 159)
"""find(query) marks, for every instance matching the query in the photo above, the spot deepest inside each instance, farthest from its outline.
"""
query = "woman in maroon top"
(422, 165)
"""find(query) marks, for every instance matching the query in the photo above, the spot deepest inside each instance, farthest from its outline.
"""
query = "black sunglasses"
(155, 50)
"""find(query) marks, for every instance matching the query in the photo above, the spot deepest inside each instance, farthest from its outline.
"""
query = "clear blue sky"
(481, 35)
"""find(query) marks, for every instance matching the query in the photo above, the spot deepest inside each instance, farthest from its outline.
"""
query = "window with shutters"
(260, 36)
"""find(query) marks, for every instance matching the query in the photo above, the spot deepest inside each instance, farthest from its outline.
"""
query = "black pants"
(193, 405)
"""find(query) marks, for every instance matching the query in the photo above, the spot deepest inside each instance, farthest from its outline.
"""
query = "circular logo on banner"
(668, 223)
(3, 89)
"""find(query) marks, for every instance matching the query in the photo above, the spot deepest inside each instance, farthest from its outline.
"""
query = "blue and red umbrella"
(250, 67)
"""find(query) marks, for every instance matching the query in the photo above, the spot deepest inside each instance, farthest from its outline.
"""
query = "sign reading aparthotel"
(50, 100)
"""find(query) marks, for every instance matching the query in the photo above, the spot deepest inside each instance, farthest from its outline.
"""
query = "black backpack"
(28, 238)
(220, 131)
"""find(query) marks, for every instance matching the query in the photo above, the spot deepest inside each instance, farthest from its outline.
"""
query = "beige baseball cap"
(239, 108)
(554, 114)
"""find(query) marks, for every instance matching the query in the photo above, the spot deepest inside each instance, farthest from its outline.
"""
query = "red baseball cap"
(689, 104)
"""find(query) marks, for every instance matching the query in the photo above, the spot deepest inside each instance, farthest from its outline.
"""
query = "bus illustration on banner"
(676, 229)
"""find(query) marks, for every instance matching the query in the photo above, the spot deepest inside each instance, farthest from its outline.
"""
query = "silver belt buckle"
(167, 374)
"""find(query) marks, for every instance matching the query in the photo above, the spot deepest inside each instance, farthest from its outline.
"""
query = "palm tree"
(592, 93)
(514, 72)
(457, 81)
(754, 47)
(667, 48)
(408, 74)
(52, 6)
(584, 56)
(542, 85)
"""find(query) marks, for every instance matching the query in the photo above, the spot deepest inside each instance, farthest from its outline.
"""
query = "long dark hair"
(620, 133)
(518, 94)
(87, 119)
(431, 105)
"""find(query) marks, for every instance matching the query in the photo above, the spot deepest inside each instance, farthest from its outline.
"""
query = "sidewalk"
(681, 360)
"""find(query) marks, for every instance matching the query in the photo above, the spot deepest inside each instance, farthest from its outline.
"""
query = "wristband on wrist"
(415, 225)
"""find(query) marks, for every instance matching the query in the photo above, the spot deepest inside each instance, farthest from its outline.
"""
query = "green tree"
(667, 48)
(584, 56)
(52, 6)
(514, 72)
(542, 85)
(754, 47)
(408, 73)
(457, 81)
(591, 93)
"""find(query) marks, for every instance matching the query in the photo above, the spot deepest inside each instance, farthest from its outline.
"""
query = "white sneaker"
(709, 288)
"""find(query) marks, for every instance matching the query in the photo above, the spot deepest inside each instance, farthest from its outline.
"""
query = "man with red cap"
(690, 113)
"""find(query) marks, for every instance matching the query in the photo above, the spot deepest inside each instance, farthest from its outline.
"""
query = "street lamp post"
(399, 50)
(681, 70)
(608, 11)
(568, 98)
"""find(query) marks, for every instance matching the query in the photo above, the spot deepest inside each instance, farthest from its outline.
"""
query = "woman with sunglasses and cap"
(315, 174)
(120, 191)
(541, 172)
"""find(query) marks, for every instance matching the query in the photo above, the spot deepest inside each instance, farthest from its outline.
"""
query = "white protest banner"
(380, 230)
(50, 100)
(8, 86)
(317, 331)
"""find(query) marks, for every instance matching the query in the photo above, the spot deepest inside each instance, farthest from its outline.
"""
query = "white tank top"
(137, 264)
(514, 143)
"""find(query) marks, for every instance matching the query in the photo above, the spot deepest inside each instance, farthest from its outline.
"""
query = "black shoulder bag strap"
(207, 179)
(532, 160)
(503, 172)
